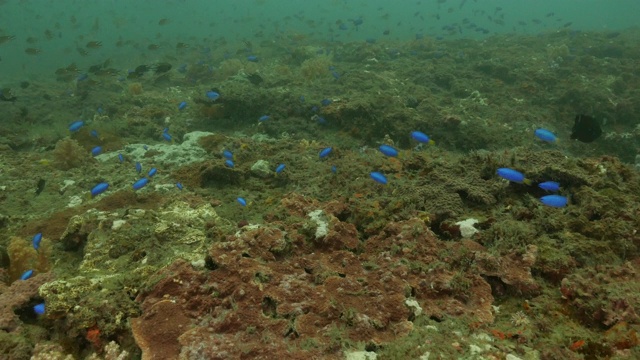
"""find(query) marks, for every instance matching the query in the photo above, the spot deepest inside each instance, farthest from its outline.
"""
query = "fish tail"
(527, 182)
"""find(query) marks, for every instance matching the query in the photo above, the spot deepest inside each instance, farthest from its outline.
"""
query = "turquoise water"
(71, 24)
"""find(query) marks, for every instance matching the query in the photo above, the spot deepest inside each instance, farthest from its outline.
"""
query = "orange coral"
(93, 336)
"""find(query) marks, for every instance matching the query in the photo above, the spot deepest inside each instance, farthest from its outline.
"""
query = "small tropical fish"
(138, 167)
(334, 169)
(27, 274)
(264, 118)
(6, 38)
(378, 177)
(99, 189)
(388, 150)
(76, 125)
(96, 150)
(179, 186)
(229, 163)
(182, 105)
(241, 201)
(554, 201)
(121, 158)
(252, 58)
(94, 133)
(152, 172)
(32, 51)
(167, 136)
(545, 135)
(94, 44)
(227, 154)
(325, 152)
(280, 168)
(37, 238)
(212, 95)
(326, 102)
(513, 175)
(140, 184)
(39, 309)
(420, 137)
(549, 186)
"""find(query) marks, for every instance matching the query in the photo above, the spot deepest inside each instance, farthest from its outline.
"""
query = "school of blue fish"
(552, 200)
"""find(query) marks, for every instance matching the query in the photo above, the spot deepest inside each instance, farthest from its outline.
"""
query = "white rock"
(322, 224)
(466, 227)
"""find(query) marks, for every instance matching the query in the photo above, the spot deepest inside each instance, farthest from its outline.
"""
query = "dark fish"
(585, 129)
(255, 79)
(40, 186)
(94, 44)
(32, 51)
(7, 95)
(163, 67)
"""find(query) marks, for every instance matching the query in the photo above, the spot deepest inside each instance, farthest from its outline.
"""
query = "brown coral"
(68, 154)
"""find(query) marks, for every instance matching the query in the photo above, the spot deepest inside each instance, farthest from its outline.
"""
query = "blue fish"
(229, 163)
(94, 133)
(140, 183)
(334, 169)
(39, 309)
(325, 152)
(554, 201)
(513, 175)
(252, 58)
(96, 150)
(138, 167)
(179, 186)
(37, 238)
(227, 154)
(121, 158)
(76, 125)
(378, 177)
(152, 172)
(549, 186)
(420, 137)
(326, 102)
(99, 189)
(212, 95)
(241, 201)
(388, 150)
(182, 105)
(167, 136)
(264, 118)
(545, 135)
(280, 168)
(27, 274)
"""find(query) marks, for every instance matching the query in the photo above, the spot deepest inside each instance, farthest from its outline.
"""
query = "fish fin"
(527, 182)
